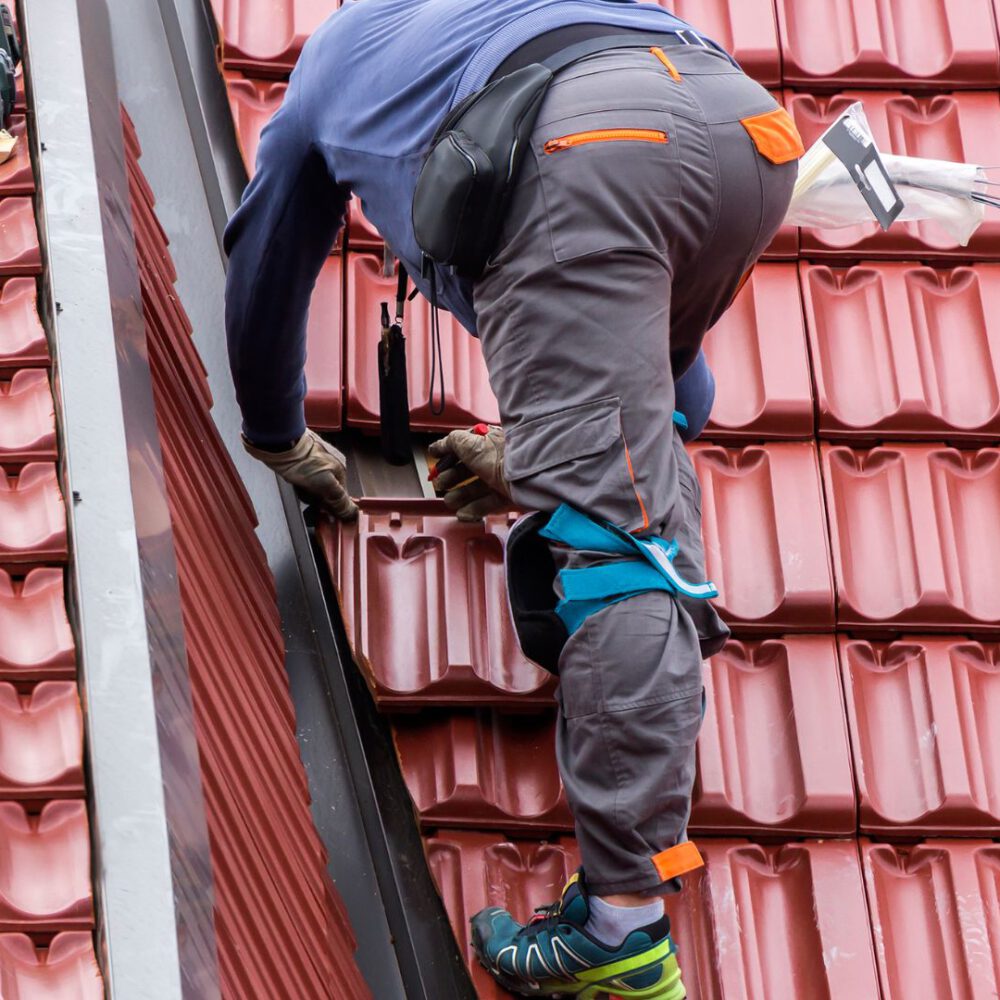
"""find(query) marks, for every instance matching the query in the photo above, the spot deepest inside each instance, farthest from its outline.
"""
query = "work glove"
(317, 471)
(469, 472)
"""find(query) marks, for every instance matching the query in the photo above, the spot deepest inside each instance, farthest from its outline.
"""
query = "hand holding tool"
(469, 471)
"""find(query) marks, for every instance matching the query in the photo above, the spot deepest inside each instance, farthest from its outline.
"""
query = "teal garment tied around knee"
(649, 567)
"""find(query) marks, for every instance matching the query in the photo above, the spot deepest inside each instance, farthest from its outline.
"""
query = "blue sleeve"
(277, 241)
(695, 394)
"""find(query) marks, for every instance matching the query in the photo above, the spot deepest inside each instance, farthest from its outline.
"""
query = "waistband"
(550, 43)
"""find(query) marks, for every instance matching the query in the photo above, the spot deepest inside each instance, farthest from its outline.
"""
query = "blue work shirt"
(368, 93)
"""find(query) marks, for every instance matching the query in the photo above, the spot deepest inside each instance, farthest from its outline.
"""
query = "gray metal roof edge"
(141, 751)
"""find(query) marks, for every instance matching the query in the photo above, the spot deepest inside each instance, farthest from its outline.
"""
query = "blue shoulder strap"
(649, 567)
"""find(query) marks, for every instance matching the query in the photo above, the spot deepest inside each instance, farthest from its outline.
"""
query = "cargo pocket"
(577, 456)
(611, 181)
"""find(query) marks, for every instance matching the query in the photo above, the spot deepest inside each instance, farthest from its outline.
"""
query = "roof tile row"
(778, 921)
(45, 864)
(774, 755)
(880, 339)
(866, 43)
(764, 526)
(757, 921)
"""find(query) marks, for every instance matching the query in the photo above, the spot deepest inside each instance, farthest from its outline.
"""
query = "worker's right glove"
(317, 471)
(470, 472)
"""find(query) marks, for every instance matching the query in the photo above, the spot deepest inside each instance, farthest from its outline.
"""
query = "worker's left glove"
(317, 471)
(470, 472)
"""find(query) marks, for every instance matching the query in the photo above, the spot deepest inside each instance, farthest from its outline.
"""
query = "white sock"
(612, 924)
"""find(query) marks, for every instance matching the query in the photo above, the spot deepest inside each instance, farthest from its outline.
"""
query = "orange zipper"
(605, 135)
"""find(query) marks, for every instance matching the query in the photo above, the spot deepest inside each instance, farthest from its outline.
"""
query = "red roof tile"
(45, 868)
(441, 585)
(964, 128)
(22, 336)
(16, 176)
(325, 348)
(32, 516)
(469, 769)
(747, 28)
(881, 43)
(36, 641)
(469, 398)
(41, 741)
(773, 753)
(265, 36)
(27, 418)
(911, 547)
(764, 528)
(756, 922)
(758, 355)
(922, 712)
(935, 918)
(66, 970)
(252, 103)
(19, 250)
(905, 350)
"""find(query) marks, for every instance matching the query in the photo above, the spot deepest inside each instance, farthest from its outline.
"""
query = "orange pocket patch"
(775, 136)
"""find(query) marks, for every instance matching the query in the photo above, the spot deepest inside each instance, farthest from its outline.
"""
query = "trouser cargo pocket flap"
(557, 438)
(577, 456)
(775, 136)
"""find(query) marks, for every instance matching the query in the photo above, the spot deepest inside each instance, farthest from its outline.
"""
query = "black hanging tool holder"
(393, 395)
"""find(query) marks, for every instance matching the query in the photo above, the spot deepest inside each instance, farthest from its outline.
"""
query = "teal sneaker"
(553, 956)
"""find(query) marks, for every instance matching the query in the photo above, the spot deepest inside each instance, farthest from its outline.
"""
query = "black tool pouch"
(467, 179)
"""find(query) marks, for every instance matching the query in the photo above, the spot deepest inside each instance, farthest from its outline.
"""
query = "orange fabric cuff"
(677, 860)
(775, 136)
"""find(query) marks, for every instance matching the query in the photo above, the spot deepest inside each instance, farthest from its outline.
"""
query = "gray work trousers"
(615, 259)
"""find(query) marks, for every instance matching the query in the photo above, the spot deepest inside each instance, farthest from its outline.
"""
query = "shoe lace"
(545, 919)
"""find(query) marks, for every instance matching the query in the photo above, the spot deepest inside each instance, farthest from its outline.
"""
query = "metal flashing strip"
(150, 838)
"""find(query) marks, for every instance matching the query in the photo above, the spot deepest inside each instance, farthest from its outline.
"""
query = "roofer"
(650, 175)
